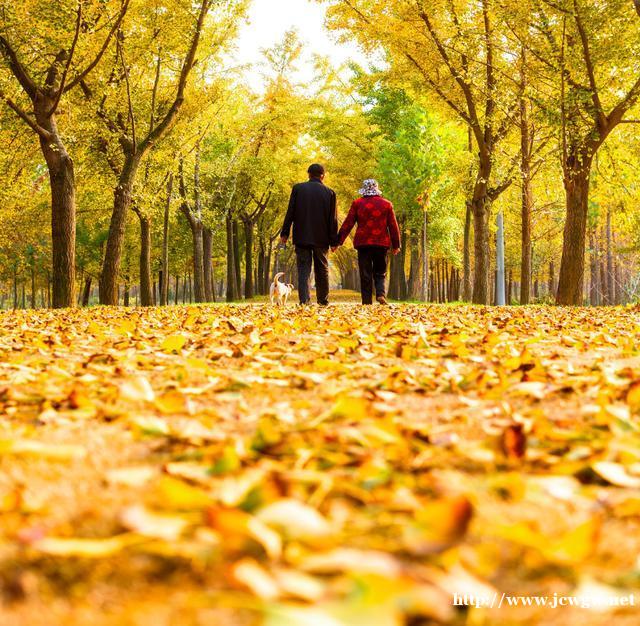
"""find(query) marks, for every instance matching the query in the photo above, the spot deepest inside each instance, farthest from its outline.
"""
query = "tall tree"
(134, 148)
(576, 43)
(70, 54)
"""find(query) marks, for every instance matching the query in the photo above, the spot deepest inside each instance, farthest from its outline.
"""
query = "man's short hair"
(316, 170)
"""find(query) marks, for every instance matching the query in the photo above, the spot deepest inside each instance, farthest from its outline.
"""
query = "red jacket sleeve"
(348, 223)
(392, 225)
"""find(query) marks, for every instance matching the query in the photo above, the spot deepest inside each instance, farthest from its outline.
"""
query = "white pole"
(500, 295)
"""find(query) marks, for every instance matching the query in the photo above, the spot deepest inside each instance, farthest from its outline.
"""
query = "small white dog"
(279, 292)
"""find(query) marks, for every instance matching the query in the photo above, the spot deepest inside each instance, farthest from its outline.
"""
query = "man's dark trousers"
(372, 261)
(316, 256)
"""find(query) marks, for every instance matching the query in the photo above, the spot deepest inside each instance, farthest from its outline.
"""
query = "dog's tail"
(278, 275)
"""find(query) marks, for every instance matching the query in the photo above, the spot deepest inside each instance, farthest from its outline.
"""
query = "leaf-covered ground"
(343, 466)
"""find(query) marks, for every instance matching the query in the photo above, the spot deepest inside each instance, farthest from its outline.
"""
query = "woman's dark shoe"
(382, 300)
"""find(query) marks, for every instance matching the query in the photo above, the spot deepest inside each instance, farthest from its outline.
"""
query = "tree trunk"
(176, 295)
(15, 287)
(401, 278)
(198, 262)
(415, 275)
(481, 208)
(164, 290)
(86, 292)
(260, 268)
(603, 281)
(113, 249)
(236, 257)
(33, 284)
(231, 264)
(593, 270)
(425, 257)
(611, 299)
(573, 249)
(146, 295)
(527, 205)
(267, 269)
(63, 216)
(207, 262)
(248, 259)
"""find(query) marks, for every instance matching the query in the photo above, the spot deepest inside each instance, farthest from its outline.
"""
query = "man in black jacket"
(314, 215)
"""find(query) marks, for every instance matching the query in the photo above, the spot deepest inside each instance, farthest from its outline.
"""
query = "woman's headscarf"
(370, 188)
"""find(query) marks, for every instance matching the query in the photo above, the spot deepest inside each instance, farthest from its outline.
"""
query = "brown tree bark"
(146, 293)
(164, 289)
(15, 287)
(236, 256)
(207, 262)
(63, 213)
(603, 281)
(86, 291)
(248, 259)
(415, 275)
(611, 291)
(113, 248)
(467, 290)
(261, 265)
(232, 293)
(593, 270)
(481, 209)
(573, 249)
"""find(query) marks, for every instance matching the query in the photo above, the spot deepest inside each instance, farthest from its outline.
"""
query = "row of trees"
(531, 81)
(166, 177)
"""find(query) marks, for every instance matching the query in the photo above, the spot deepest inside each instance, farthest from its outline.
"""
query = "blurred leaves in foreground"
(330, 467)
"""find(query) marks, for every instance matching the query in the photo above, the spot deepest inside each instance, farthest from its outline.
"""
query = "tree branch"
(154, 92)
(72, 50)
(18, 70)
(490, 77)
(21, 113)
(187, 66)
(438, 89)
(617, 113)
(87, 70)
(464, 86)
(586, 54)
(132, 117)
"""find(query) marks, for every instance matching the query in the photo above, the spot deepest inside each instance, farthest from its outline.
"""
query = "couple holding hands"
(314, 216)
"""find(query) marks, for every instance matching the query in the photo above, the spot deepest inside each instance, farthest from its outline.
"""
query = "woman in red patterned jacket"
(377, 232)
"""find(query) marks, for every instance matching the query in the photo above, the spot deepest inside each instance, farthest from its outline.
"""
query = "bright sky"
(269, 20)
